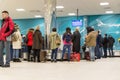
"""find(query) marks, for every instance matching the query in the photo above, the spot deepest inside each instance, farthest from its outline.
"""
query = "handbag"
(58, 41)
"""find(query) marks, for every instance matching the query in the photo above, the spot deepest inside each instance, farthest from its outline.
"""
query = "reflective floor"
(104, 69)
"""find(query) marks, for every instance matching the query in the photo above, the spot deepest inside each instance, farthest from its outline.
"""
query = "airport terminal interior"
(60, 40)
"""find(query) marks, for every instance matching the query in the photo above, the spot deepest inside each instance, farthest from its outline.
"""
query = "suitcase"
(87, 55)
(75, 57)
(65, 56)
(43, 55)
(25, 56)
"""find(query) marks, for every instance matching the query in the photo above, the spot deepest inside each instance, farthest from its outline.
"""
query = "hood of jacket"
(53, 34)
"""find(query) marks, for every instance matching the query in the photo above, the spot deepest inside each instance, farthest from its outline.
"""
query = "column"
(49, 14)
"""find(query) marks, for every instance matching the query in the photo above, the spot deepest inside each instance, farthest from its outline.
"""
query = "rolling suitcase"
(43, 55)
(87, 55)
(24, 56)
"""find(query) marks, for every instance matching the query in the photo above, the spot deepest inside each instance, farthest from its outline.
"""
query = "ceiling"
(36, 7)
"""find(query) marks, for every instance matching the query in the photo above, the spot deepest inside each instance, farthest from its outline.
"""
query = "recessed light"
(71, 14)
(20, 9)
(59, 7)
(104, 3)
(38, 16)
(109, 12)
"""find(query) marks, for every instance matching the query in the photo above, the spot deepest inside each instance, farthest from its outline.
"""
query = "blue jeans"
(54, 54)
(64, 50)
(92, 53)
(101, 51)
(5, 45)
(11, 52)
(16, 53)
(98, 51)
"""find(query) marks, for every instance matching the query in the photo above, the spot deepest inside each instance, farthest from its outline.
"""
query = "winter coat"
(52, 39)
(6, 29)
(37, 40)
(76, 41)
(99, 40)
(111, 42)
(30, 39)
(105, 42)
(91, 39)
(17, 44)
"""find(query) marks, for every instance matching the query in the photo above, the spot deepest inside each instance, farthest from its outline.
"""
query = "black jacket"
(105, 42)
(111, 42)
(76, 41)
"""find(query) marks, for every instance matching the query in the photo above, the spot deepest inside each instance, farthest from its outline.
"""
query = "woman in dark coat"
(76, 41)
(37, 44)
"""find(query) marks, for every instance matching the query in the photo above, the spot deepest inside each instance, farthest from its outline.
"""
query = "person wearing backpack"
(67, 40)
(111, 42)
(5, 31)
(17, 44)
(54, 44)
(105, 45)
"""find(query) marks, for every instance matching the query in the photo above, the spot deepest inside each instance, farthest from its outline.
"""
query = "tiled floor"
(104, 69)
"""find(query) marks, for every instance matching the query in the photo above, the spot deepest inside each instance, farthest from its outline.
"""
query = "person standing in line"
(91, 43)
(37, 44)
(105, 45)
(17, 44)
(111, 42)
(6, 30)
(67, 40)
(29, 42)
(99, 45)
(76, 41)
(54, 43)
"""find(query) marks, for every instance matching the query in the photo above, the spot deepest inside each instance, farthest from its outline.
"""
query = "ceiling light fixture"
(109, 12)
(59, 7)
(104, 3)
(20, 9)
(71, 14)
(38, 16)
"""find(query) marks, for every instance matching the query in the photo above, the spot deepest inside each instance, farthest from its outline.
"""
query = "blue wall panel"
(109, 24)
(25, 24)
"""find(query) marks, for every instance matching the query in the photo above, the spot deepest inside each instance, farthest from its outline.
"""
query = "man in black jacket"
(111, 42)
(105, 44)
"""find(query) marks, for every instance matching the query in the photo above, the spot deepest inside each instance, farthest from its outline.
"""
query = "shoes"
(68, 60)
(55, 61)
(6, 66)
(52, 60)
(16, 60)
(1, 65)
(38, 61)
(93, 60)
(61, 60)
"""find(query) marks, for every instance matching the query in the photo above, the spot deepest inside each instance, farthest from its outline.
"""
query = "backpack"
(26, 39)
(58, 41)
(14, 37)
(68, 37)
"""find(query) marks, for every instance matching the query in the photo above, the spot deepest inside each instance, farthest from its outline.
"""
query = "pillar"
(49, 14)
